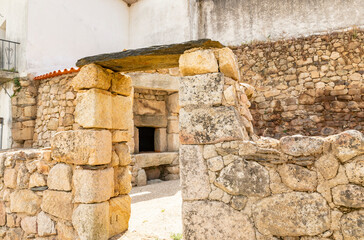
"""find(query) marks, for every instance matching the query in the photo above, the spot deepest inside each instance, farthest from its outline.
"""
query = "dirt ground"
(155, 212)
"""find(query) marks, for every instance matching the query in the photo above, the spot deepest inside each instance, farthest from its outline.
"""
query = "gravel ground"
(155, 211)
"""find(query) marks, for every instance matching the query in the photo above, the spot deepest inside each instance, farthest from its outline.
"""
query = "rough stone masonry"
(238, 186)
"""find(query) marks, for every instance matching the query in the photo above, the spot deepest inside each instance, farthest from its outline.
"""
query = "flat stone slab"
(150, 58)
(145, 160)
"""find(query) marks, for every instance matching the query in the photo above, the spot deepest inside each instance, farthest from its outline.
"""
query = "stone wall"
(309, 86)
(55, 109)
(239, 186)
(24, 111)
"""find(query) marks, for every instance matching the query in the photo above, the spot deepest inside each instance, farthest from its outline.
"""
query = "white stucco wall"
(61, 32)
(156, 22)
(5, 112)
(234, 22)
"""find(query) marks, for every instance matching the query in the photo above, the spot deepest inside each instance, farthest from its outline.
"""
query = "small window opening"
(146, 139)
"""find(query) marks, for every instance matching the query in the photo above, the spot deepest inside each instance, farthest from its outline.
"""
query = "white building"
(53, 34)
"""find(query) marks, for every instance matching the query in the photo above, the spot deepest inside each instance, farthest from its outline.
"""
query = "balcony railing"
(8, 53)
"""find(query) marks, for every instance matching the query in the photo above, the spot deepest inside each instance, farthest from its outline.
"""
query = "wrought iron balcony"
(8, 55)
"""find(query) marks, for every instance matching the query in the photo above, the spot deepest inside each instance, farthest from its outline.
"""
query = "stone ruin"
(235, 185)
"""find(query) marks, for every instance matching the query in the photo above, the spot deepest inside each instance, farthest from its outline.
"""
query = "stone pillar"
(98, 153)
(214, 113)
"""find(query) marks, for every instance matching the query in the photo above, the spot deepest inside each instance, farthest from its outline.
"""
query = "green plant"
(176, 236)
(17, 86)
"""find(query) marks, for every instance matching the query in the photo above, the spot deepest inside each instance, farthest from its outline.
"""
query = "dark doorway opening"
(146, 139)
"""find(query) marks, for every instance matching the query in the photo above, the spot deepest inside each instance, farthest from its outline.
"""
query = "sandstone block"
(58, 204)
(122, 112)
(82, 147)
(284, 215)
(92, 221)
(244, 178)
(19, 134)
(120, 136)
(65, 231)
(119, 212)
(10, 176)
(193, 90)
(348, 144)
(194, 176)
(141, 178)
(60, 177)
(173, 103)
(92, 186)
(24, 201)
(355, 171)
(173, 142)
(123, 152)
(121, 84)
(160, 140)
(37, 180)
(352, 225)
(29, 225)
(215, 164)
(298, 145)
(145, 160)
(92, 76)
(198, 62)
(173, 125)
(348, 195)
(155, 121)
(149, 107)
(327, 165)
(228, 63)
(230, 96)
(45, 225)
(210, 125)
(94, 109)
(215, 220)
(122, 180)
(2, 214)
(298, 178)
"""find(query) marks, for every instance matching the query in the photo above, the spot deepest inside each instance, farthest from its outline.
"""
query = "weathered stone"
(228, 64)
(37, 180)
(215, 164)
(238, 202)
(244, 178)
(121, 84)
(2, 214)
(65, 231)
(194, 177)
(198, 62)
(45, 225)
(298, 178)
(352, 225)
(58, 204)
(157, 81)
(141, 178)
(209, 151)
(210, 125)
(122, 180)
(355, 171)
(145, 160)
(155, 57)
(327, 165)
(92, 186)
(301, 145)
(349, 195)
(24, 201)
(23, 176)
(149, 107)
(193, 90)
(173, 103)
(215, 220)
(347, 145)
(22, 134)
(160, 140)
(120, 136)
(94, 109)
(155, 121)
(123, 152)
(60, 177)
(173, 142)
(10, 176)
(82, 147)
(122, 112)
(292, 214)
(13, 234)
(230, 96)
(276, 184)
(29, 225)
(119, 214)
(92, 76)
(92, 221)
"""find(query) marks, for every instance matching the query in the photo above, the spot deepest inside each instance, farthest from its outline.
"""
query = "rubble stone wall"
(239, 186)
(310, 86)
(55, 109)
